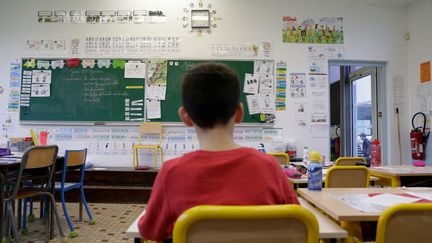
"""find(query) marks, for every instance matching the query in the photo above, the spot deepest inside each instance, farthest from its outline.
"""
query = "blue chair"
(74, 158)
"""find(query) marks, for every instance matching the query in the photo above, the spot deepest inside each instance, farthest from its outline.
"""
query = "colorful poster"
(425, 72)
(325, 30)
(157, 72)
(297, 85)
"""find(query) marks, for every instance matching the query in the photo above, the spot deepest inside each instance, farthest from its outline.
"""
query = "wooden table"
(404, 175)
(328, 229)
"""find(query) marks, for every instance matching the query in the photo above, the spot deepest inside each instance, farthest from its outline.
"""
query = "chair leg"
(91, 221)
(24, 229)
(31, 216)
(80, 208)
(6, 231)
(13, 223)
(57, 218)
(73, 233)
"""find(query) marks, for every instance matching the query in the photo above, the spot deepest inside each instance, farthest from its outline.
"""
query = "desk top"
(402, 170)
(328, 229)
(326, 201)
(305, 180)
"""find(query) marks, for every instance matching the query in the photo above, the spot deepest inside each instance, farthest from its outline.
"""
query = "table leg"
(395, 181)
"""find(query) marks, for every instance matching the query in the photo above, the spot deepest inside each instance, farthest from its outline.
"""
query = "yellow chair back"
(282, 157)
(349, 161)
(405, 223)
(347, 176)
(251, 224)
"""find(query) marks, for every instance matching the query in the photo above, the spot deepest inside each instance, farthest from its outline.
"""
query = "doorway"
(356, 104)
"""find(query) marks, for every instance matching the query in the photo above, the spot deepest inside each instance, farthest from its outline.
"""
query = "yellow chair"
(347, 176)
(349, 161)
(405, 223)
(252, 224)
(153, 129)
(283, 158)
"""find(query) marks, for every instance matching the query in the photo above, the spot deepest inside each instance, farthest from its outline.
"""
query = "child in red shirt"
(221, 172)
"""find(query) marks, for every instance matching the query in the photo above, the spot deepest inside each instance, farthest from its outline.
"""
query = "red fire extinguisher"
(337, 143)
(418, 138)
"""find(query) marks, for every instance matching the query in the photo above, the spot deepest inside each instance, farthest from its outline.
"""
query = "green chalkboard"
(176, 70)
(79, 94)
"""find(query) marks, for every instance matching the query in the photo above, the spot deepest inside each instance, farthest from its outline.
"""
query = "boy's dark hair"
(210, 94)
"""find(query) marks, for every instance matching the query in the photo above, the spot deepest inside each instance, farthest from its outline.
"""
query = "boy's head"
(211, 95)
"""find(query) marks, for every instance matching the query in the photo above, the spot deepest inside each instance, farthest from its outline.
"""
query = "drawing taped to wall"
(325, 30)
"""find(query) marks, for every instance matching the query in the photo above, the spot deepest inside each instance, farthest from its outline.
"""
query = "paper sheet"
(254, 104)
(387, 200)
(250, 84)
(40, 90)
(153, 109)
(266, 85)
(268, 104)
(156, 92)
(135, 70)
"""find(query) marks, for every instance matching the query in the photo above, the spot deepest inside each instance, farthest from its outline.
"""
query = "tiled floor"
(112, 220)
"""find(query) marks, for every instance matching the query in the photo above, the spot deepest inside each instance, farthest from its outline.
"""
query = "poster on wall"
(324, 30)
(425, 72)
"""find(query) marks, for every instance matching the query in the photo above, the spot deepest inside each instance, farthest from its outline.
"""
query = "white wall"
(420, 50)
(372, 32)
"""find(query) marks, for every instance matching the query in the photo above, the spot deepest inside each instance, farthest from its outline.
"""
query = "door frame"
(382, 121)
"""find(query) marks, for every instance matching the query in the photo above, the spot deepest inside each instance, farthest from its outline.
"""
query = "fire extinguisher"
(418, 138)
(337, 143)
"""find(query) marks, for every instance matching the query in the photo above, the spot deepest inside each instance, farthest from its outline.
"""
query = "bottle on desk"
(375, 153)
(315, 171)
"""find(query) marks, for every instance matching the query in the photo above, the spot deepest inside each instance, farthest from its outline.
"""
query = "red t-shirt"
(242, 176)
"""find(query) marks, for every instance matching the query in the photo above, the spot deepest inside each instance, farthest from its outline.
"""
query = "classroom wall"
(373, 32)
(420, 50)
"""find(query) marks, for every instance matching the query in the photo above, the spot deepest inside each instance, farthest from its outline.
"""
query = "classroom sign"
(325, 30)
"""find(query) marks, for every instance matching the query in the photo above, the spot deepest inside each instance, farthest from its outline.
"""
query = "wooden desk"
(403, 175)
(302, 182)
(328, 229)
(326, 201)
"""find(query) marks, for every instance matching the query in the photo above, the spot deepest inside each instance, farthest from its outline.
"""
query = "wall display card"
(235, 50)
(266, 85)
(334, 52)
(41, 77)
(77, 16)
(108, 16)
(157, 72)
(153, 109)
(425, 72)
(62, 16)
(263, 67)
(150, 46)
(14, 85)
(325, 30)
(297, 85)
(318, 66)
(123, 16)
(135, 70)
(250, 84)
(268, 105)
(51, 46)
(266, 49)
(40, 90)
(316, 52)
(156, 92)
(92, 16)
(318, 86)
(254, 104)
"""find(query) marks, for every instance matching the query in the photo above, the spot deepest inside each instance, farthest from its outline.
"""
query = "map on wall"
(325, 30)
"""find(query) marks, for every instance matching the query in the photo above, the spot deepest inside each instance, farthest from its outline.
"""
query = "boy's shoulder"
(245, 153)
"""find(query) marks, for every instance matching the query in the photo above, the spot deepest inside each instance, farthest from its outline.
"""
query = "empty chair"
(37, 163)
(405, 223)
(251, 224)
(350, 161)
(74, 158)
(347, 176)
(153, 129)
(283, 158)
